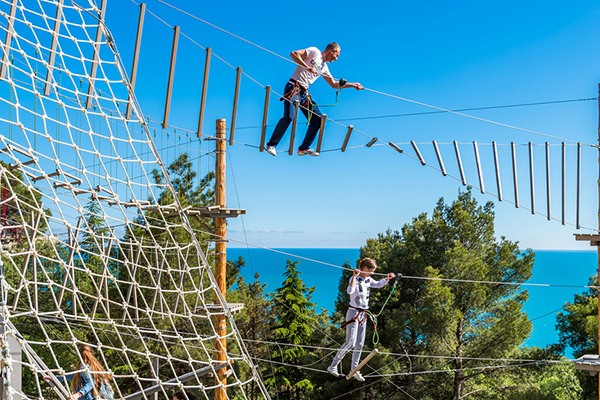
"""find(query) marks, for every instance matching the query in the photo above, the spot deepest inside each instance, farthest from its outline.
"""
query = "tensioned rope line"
(441, 109)
(403, 276)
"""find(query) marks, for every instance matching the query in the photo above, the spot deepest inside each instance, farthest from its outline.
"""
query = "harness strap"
(360, 317)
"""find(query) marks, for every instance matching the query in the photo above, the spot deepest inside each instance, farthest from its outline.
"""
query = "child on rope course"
(356, 316)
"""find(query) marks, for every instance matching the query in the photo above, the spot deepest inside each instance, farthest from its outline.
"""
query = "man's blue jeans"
(288, 114)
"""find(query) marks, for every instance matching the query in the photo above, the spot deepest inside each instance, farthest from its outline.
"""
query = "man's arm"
(336, 84)
(298, 56)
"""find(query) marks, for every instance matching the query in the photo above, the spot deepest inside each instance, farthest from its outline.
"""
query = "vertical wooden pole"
(9, 34)
(460, 167)
(418, 153)
(513, 151)
(578, 198)
(564, 183)
(439, 157)
(203, 95)
(548, 205)
(531, 181)
(236, 95)
(347, 138)
(136, 55)
(92, 78)
(294, 122)
(165, 123)
(220, 259)
(263, 130)
(53, 47)
(479, 171)
(497, 168)
(321, 131)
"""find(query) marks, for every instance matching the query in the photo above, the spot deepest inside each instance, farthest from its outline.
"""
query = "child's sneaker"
(333, 371)
(358, 376)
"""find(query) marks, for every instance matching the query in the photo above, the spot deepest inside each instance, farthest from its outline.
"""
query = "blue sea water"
(565, 268)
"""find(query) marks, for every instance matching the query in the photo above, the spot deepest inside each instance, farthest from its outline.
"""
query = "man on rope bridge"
(356, 316)
(312, 63)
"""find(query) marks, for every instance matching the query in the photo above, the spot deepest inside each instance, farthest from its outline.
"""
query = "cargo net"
(97, 247)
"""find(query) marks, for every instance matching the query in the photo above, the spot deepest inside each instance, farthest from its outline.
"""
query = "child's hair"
(184, 396)
(367, 263)
(87, 356)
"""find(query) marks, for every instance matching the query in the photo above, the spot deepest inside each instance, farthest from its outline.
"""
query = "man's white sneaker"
(333, 371)
(271, 150)
(358, 376)
(310, 152)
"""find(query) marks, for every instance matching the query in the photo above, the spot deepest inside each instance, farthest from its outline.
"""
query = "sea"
(558, 275)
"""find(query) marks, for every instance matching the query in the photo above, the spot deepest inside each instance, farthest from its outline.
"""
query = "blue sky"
(451, 55)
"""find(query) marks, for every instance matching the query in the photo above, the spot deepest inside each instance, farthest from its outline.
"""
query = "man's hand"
(390, 275)
(358, 86)
(356, 272)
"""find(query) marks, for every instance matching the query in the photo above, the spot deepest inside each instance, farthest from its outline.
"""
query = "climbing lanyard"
(373, 317)
(313, 104)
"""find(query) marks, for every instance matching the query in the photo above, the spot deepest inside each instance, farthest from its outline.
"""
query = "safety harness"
(361, 315)
(297, 89)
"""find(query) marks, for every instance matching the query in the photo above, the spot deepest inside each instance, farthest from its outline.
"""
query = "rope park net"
(96, 246)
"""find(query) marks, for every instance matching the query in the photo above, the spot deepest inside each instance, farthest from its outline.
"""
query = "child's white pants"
(355, 338)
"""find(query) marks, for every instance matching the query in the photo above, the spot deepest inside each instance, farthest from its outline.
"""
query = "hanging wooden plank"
(417, 152)
(236, 95)
(548, 181)
(263, 130)
(531, 181)
(497, 168)
(96, 58)
(347, 138)
(204, 89)
(395, 147)
(165, 123)
(460, 167)
(53, 47)
(321, 130)
(8, 39)
(479, 172)
(136, 56)
(439, 158)
(564, 183)
(514, 165)
(372, 142)
(578, 185)
(294, 123)
(362, 364)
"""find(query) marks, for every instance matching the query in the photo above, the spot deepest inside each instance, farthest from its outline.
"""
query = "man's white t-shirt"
(313, 58)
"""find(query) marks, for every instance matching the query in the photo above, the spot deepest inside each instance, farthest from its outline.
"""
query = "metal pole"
(220, 259)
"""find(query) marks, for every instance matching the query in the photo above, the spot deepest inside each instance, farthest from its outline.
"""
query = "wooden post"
(418, 153)
(220, 258)
(548, 204)
(263, 130)
(321, 131)
(53, 47)
(165, 123)
(236, 95)
(347, 138)
(460, 167)
(136, 56)
(497, 168)
(439, 157)
(204, 88)
(531, 181)
(88, 103)
(513, 151)
(9, 34)
(564, 183)
(294, 122)
(362, 363)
